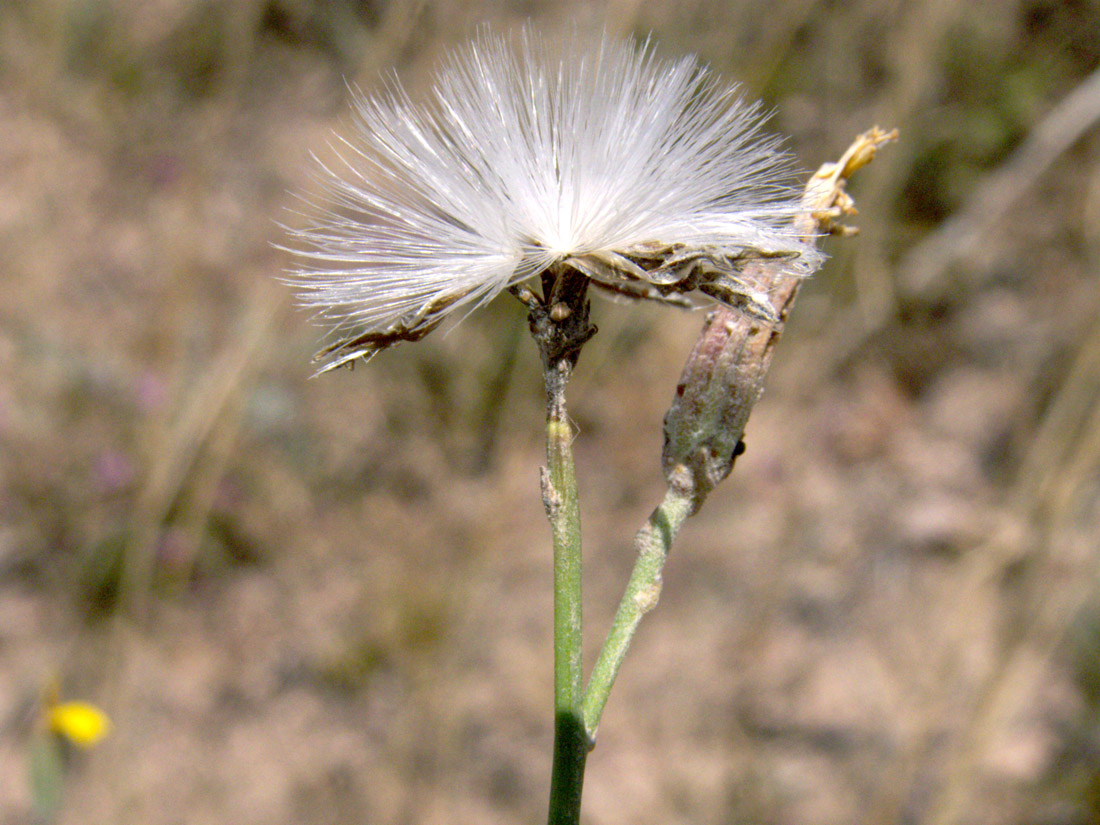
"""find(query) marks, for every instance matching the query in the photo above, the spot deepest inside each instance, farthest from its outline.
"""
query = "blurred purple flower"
(113, 471)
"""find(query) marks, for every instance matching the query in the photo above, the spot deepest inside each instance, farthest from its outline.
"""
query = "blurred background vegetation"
(328, 601)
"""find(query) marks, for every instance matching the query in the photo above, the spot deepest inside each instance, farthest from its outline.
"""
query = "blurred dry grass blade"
(922, 270)
(202, 423)
(1059, 469)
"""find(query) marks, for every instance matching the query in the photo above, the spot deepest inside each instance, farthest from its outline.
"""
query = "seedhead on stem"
(650, 178)
(544, 173)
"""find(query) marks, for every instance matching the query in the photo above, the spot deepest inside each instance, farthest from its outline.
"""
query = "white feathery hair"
(599, 155)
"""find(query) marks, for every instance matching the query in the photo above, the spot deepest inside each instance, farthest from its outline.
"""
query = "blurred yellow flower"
(81, 723)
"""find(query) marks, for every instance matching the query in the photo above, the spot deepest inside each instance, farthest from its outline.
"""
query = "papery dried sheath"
(716, 393)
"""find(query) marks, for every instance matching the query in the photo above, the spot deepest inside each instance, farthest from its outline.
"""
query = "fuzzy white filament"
(606, 158)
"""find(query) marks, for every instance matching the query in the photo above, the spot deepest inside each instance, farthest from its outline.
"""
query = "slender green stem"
(571, 746)
(653, 542)
(560, 496)
(559, 323)
(559, 493)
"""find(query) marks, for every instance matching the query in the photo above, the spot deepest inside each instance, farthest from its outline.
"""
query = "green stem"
(563, 510)
(559, 494)
(653, 542)
(571, 746)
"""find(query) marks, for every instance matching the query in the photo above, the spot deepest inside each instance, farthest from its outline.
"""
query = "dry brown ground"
(328, 601)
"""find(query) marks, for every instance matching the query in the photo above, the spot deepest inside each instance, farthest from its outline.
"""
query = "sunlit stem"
(643, 590)
(571, 744)
(559, 324)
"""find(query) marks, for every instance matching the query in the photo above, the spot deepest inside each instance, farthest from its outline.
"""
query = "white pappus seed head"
(651, 177)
